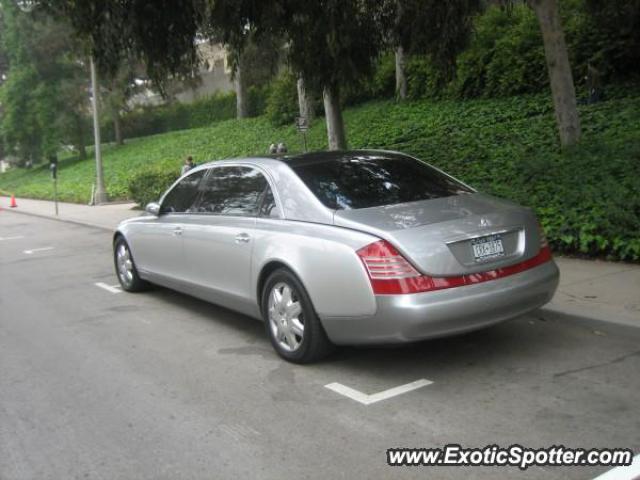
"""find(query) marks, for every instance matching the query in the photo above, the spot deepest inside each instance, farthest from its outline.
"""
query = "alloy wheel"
(286, 317)
(124, 263)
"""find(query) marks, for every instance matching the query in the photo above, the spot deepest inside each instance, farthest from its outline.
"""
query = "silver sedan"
(334, 248)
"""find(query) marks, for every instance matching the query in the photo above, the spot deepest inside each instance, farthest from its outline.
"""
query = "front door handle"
(177, 231)
(243, 238)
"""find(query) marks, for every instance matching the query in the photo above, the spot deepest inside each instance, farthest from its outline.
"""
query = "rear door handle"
(177, 231)
(243, 238)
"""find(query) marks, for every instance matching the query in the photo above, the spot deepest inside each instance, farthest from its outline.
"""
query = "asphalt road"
(95, 384)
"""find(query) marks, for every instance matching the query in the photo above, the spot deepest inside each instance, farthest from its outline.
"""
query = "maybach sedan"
(340, 248)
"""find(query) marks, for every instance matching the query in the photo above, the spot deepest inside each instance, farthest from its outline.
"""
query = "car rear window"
(362, 181)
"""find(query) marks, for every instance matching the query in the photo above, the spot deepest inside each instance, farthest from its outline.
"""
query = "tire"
(291, 322)
(126, 268)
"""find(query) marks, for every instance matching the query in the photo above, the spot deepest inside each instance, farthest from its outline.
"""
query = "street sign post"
(53, 167)
(303, 126)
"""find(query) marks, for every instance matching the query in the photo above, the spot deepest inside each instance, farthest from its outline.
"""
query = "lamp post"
(100, 195)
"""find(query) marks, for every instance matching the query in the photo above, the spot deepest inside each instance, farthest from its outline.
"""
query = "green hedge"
(151, 120)
(149, 185)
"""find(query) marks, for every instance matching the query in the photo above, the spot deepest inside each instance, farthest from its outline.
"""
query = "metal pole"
(55, 194)
(101, 192)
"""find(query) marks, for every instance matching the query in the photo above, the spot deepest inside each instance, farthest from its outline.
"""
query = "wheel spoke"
(276, 297)
(291, 340)
(282, 334)
(296, 327)
(286, 295)
(294, 310)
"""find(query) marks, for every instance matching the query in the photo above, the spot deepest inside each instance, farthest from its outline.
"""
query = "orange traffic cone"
(13, 203)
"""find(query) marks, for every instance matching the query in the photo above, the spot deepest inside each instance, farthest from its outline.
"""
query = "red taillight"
(391, 274)
(383, 262)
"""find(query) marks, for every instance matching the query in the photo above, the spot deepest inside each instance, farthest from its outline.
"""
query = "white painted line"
(16, 237)
(376, 397)
(109, 288)
(34, 250)
(631, 472)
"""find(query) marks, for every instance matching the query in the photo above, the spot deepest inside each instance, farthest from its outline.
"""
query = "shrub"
(383, 82)
(258, 96)
(282, 104)
(506, 56)
(149, 185)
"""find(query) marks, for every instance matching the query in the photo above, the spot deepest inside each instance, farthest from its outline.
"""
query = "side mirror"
(153, 208)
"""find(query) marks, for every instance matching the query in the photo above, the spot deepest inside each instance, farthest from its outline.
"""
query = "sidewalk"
(101, 216)
(589, 289)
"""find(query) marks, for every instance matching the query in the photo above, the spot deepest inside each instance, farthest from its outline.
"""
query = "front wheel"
(290, 320)
(126, 268)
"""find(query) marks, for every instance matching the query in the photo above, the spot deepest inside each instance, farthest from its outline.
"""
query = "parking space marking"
(631, 472)
(34, 250)
(15, 237)
(109, 288)
(365, 399)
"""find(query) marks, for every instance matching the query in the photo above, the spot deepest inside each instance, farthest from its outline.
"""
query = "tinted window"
(182, 197)
(232, 191)
(268, 205)
(362, 181)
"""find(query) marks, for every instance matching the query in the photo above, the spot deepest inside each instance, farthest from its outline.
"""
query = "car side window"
(183, 196)
(232, 191)
(268, 205)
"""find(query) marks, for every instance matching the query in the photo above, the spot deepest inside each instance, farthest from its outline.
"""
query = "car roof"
(307, 158)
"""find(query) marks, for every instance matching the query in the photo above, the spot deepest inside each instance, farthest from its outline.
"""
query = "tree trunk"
(401, 74)
(82, 150)
(333, 114)
(242, 110)
(560, 77)
(304, 102)
(117, 127)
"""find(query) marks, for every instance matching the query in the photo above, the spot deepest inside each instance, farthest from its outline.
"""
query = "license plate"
(487, 247)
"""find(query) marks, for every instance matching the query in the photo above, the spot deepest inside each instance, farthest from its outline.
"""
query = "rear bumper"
(413, 317)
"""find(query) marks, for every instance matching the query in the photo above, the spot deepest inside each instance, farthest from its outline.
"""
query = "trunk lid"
(438, 236)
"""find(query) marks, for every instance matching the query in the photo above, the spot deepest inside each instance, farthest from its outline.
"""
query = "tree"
(331, 43)
(401, 73)
(117, 90)
(44, 95)
(305, 101)
(616, 24)
(401, 62)
(439, 30)
(559, 68)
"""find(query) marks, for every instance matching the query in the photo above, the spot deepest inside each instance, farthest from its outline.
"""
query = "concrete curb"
(596, 325)
(592, 315)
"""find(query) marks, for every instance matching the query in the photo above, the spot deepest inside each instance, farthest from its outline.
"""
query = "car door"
(219, 239)
(159, 245)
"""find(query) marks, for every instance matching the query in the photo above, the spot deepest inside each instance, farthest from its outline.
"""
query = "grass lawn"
(588, 198)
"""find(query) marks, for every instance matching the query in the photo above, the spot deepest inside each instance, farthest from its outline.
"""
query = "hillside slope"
(588, 198)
